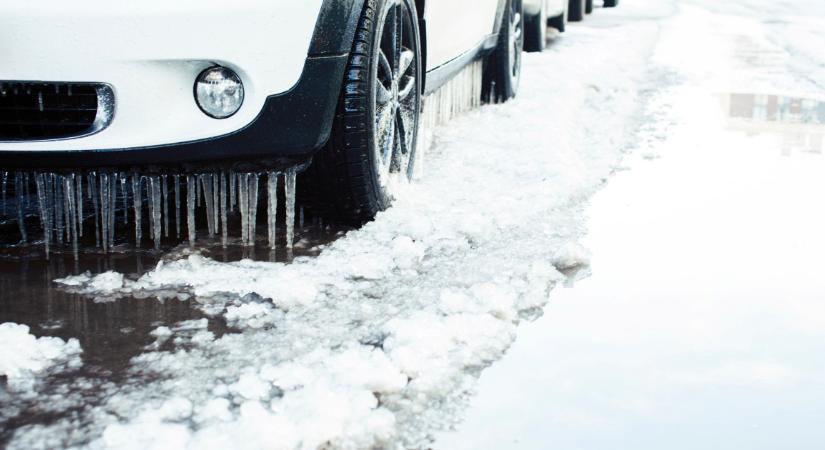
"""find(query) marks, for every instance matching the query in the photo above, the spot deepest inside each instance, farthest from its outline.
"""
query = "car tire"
(611, 3)
(575, 10)
(502, 72)
(559, 22)
(588, 7)
(374, 135)
(535, 31)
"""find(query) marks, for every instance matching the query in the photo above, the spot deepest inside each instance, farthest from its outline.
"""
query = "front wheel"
(588, 7)
(611, 3)
(372, 147)
(502, 72)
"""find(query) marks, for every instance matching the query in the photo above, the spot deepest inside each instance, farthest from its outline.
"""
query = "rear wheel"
(575, 10)
(611, 3)
(588, 7)
(502, 73)
(535, 31)
(372, 147)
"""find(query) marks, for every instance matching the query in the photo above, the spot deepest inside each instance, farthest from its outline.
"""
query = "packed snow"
(703, 324)
(378, 342)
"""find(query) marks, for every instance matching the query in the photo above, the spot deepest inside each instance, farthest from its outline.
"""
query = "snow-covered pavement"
(702, 325)
(379, 341)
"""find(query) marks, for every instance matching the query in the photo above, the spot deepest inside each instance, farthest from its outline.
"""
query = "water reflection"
(799, 121)
(109, 332)
(112, 332)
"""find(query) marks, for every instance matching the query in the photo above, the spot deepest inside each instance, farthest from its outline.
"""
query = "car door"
(457, 26)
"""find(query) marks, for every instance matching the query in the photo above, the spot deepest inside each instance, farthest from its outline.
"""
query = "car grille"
(34, 111)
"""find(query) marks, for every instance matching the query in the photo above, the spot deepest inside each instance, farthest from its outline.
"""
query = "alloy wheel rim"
(516, 41)
(397, 98)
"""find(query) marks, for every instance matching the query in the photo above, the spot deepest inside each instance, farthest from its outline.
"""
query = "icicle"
(216, 190)
(125, 192)
(69, 191)
(191, 198)
(165, 186)
(208, 198)
(96, 205)
(137, 205)
(79, 203)
(150, 205)
(232, 181)
(224, 224)
(177, 206)
(58, 210)
(104, 211)
(289, 194)
(272, 207)
(45, 217)
(154, 183)
(243, 206)
(199, 188)
(18, 191)
(112, 207)
(253, 207)
(301, 218)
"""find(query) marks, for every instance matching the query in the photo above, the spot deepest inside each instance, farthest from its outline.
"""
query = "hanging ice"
(289, 194)
(191, 194)
(272, 207)
(157, 212)
(137, 204)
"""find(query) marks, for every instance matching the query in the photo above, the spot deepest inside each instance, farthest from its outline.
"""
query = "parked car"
(555, 13)
(538, 15)
(252, 84)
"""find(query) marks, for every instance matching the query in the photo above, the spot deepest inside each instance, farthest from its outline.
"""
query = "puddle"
(110, 333)
(798, 122)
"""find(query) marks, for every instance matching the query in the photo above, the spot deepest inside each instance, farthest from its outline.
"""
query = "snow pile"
(107, 283)
(24, 357)
(571, 256)
(322, 399)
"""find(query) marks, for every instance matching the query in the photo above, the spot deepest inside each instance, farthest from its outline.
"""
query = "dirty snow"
(378, 342)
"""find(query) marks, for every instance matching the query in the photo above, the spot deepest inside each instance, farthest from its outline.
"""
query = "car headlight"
(219, 92)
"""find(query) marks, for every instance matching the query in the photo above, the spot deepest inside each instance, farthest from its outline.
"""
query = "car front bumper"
(290, 62)
(290, 127)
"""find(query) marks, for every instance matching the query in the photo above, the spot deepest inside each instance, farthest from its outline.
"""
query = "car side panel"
(457, 26)
(552, 7)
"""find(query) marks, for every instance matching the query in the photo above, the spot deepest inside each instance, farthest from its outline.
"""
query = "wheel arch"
(335, 29)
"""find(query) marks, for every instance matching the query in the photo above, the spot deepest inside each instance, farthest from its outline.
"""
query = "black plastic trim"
(335, 29)
(291, 125)
(439, 76)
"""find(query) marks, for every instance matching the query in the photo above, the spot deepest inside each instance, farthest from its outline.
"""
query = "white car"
(555, 13)
(250, 84)
(538, 15)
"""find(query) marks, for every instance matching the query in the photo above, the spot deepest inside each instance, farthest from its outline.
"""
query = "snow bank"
(24, 357)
